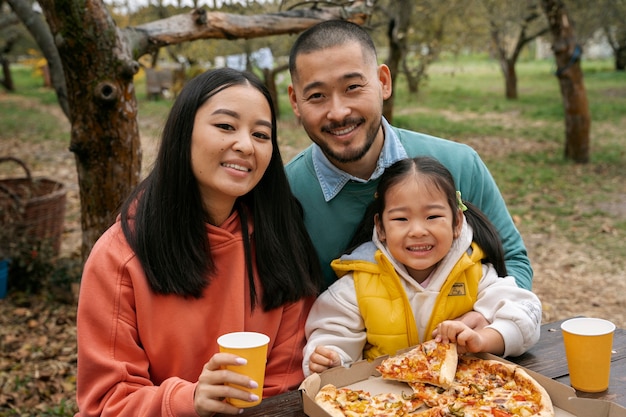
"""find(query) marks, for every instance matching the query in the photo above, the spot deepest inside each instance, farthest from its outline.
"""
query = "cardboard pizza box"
(588, 407)
(363, 375)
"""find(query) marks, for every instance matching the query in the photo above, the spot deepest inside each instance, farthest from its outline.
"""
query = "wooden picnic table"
(547, 357)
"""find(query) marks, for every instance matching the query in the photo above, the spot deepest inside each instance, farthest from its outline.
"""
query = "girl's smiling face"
(417, 225)
(231, 147)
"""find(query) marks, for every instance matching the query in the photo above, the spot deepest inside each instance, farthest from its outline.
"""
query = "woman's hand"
(323, 358)
(212, 389)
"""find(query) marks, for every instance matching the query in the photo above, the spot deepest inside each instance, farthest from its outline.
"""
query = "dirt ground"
(39, 339)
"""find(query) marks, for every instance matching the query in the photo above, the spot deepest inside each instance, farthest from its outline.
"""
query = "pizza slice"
(494, 388)
(432, 395)
(342, 402)
(429, 362)
(346, 402)
(394, 405)
(522, 395)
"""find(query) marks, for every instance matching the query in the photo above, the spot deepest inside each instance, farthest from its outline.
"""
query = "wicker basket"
(31, 209)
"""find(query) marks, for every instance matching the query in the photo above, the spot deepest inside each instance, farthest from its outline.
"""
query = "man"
(337, 92)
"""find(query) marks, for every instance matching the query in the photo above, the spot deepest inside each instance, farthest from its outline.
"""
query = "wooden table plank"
(547, 357)
(288, 404)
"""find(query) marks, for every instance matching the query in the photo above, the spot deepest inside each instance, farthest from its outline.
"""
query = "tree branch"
(8, 20)
(200, 24)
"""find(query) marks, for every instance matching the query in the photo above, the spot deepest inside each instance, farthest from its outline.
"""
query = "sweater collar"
(332, 179)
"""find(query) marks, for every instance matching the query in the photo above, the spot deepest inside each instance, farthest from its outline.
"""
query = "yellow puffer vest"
(385, 308)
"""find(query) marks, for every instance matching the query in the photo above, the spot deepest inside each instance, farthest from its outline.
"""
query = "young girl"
(211, 242)
(429, 259)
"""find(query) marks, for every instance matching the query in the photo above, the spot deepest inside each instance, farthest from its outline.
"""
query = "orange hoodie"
(140, 354)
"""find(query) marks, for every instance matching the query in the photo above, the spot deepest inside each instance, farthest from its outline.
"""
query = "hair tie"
(459, 201)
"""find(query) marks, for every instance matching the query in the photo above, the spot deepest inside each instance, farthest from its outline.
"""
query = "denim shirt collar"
(332, 179)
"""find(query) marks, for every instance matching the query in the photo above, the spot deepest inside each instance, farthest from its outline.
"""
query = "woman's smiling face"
(231, 147)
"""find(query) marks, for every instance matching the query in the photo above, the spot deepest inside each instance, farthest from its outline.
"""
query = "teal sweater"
(332, 224)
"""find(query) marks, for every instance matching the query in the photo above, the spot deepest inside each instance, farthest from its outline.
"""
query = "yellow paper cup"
(253, 347)
(588, 343)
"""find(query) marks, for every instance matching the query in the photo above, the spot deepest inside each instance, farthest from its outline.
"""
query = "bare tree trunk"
(417, 74)
(7, 79)
(7, 21)
(393, 62)
(507, 65)
(414, 76)
(269, 76)
(510, 79)
(620, 59)
(397, 34)
(99, 70)
(570, 75)
(41, 33)
(617, 39)
(499, 40)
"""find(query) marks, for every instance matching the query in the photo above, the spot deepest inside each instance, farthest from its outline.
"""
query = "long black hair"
(164, 221)
(485, 233)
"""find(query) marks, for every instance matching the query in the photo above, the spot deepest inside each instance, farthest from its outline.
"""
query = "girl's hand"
(323, 358)
(211, 389)
(469, 340)
(466, 339)
(474, 320)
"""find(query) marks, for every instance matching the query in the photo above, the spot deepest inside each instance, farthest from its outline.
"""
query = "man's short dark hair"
(328, 34)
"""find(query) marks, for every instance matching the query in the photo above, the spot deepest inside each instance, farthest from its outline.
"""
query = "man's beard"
(354, 155)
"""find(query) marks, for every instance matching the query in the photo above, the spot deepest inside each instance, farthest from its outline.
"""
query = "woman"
(211, 242)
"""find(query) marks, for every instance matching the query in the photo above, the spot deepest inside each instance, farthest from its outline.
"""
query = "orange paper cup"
(588, 343)
(253, 347)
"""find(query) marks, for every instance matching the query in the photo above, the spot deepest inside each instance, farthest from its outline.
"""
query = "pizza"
(507, 388)
(478, 388)
(345, 402)
(485, 388)
(430, 362)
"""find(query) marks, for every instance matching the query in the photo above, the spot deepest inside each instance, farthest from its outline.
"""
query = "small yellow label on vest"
(457, 289)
